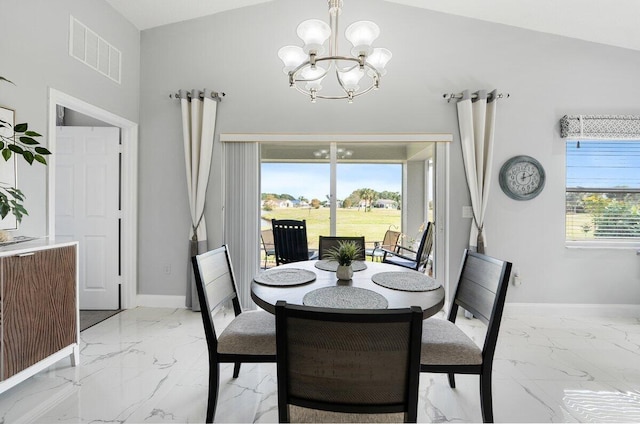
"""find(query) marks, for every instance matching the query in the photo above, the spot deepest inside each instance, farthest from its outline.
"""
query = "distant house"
(385, 204)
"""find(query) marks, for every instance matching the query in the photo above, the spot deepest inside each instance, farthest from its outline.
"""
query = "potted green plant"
(21, 141)
(344, 253)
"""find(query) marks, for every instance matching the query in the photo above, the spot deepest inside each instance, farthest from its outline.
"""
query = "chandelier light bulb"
(313, 33)
(351, 79)
(314, 77)
(292, 57)
(361, 35)
(379, 59)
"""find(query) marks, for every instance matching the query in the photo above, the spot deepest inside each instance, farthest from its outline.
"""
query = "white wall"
(34, 55)
(547, 77)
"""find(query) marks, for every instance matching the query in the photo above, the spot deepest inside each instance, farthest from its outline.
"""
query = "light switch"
(467, 212)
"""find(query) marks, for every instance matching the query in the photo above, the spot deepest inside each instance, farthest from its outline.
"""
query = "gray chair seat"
(251, 332)
(307, 415)
(443, 343)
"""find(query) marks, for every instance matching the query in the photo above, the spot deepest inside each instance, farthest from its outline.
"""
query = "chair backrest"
(290, 240)
(390, 241)
(267, 240)
(482, 289)
(426, 244)
(215, 284)
(329, 242)
(356, 361)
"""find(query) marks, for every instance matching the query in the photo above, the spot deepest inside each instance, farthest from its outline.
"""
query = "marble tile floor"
(149, 365)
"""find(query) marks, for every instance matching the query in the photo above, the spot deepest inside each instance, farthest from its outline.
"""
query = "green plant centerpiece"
(344, 253)
(21, 141)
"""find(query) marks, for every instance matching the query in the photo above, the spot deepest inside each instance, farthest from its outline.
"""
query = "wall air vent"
(92, 50)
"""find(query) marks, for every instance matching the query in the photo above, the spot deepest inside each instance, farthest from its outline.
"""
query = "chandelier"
(340, 153)
(307, 68)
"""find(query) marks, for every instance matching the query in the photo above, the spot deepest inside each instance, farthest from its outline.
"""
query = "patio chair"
(408, 258)
(389, 242)
(347, 365)
(268, 246)
(290, 241)
(482, 289)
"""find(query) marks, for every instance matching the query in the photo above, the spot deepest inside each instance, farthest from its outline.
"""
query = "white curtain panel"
(198, 128)
(476, 119)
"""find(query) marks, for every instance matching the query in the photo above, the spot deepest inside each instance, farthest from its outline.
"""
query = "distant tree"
(368, 195)
(346, 203)
(303, 199)
(390, 195)
(315, 203)
(286, 197)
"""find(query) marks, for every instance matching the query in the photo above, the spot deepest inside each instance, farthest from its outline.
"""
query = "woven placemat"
(327, 265)
(345, 297)
(285, 277)
(406, 281)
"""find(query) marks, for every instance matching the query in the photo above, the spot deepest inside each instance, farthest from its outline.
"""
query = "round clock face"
(522, 178)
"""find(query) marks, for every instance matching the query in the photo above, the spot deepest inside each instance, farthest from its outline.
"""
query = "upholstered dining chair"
(389, 243)
(290, 239)
(347, 365)
(482, 289)
(249, 337)
(329, 242)
(408, 258)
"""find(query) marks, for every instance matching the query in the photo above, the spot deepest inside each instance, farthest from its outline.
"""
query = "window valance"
(600, 126)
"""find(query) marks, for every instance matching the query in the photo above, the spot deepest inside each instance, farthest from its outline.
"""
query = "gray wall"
(34, 46)
(547, 76)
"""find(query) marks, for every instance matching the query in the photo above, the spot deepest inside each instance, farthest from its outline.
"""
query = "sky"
(603, 164)
(311, 180)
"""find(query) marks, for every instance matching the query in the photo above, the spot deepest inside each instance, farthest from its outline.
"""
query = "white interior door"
(87, 208)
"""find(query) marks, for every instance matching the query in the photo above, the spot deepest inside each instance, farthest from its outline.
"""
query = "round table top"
(266, 297)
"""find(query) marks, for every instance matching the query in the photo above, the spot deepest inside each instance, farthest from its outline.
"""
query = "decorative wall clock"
(522, 178)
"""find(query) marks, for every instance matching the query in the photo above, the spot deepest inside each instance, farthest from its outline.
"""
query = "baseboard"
(160, 301)
(571, 309)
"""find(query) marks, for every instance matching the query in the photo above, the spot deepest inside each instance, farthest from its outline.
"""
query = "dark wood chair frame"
(482, 290)
(290, 239)
(328, 242)
(418, 258)
(215, 358)
(412, 314)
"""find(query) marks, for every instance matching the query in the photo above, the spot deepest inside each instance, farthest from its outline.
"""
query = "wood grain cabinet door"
(38, 306)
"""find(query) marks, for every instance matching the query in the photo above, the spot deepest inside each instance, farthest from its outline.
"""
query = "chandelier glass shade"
(307, 67)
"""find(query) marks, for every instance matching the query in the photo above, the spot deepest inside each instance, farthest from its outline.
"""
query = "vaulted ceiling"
(602, 21)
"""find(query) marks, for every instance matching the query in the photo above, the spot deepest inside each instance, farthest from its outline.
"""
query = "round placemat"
(285, 277)
(327, 265)
(406, 281)
(345, 297)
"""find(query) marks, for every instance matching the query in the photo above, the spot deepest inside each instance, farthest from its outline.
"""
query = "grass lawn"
(350, 222)
(576, 223)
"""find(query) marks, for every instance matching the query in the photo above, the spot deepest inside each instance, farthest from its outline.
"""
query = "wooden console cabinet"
(38, 308)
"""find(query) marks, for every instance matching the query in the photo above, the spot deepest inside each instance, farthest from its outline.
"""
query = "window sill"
(633, 245)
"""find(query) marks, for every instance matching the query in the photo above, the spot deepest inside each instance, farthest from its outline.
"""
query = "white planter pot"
(344, 272)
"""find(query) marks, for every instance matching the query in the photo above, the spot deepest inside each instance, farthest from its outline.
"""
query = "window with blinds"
(603, 190)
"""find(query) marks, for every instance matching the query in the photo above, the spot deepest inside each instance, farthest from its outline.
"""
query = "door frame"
(128, 185)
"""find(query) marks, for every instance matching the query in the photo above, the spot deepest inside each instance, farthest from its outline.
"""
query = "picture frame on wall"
(8, 170)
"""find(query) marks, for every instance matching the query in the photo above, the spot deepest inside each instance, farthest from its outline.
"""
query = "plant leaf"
(15, 148)
(6, 154)
(40, 159)
(20, 128)
(1, 145)
(28, 156)
(4, 79)
(32, 134)
(42, 150)
(28, 140)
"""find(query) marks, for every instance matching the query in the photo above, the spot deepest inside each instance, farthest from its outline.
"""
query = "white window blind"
(603, 190)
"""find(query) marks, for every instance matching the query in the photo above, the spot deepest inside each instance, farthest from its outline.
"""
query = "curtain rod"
(201, 94)
(450, 96)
